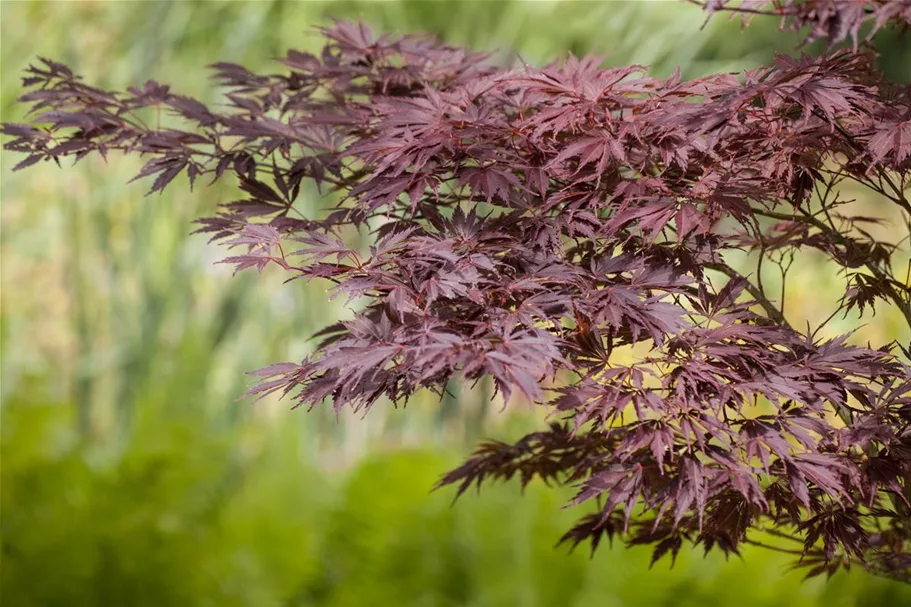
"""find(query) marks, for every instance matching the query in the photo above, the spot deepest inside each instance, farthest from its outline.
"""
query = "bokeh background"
(132, 475)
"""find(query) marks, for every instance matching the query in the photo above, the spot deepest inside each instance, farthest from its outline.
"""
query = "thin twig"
(770, 308)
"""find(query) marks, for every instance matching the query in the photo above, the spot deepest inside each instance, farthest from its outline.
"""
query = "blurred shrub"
(196, 513)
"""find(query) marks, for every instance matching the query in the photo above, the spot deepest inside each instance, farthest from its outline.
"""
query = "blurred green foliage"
(132, 476)
(201, 514)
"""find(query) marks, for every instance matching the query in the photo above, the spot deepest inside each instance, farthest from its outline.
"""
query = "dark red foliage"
(832, 20)
(532, 224)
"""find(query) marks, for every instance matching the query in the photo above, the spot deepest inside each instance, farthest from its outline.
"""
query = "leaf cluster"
(537, 225)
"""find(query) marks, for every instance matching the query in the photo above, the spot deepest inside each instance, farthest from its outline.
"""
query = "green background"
(131, 475)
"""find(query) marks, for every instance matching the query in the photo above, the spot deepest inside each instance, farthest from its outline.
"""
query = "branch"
(757, 293)
(904, 305)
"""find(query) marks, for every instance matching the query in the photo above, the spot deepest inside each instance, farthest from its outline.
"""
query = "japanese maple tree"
(568, 231)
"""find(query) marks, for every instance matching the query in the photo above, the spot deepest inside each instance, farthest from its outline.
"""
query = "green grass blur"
(131, 475)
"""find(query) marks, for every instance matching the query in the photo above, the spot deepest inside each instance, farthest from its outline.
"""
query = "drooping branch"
(528, 226)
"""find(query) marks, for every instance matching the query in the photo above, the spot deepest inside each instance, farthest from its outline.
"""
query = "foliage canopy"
(568, 231)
